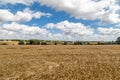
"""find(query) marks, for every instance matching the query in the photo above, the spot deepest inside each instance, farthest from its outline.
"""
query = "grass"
(60, 62)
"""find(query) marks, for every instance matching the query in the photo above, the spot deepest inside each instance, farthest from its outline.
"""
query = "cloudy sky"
(85, 20)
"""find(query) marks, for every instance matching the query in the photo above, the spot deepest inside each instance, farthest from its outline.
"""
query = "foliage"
(21, 42)
(43, 43)
(118, 40)
(65, 43)
(34, 42)
(3, 44)
(55, 43)
(78, 43)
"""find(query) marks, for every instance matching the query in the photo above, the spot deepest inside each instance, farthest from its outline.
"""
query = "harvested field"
(60, 62)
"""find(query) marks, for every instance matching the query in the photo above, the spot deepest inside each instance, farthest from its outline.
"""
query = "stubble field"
(60, 62)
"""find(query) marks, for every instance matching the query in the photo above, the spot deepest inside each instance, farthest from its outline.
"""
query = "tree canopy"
(118, 40)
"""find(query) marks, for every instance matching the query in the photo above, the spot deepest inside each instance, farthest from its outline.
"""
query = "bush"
(55, 43)
(43, 43)
(33, 42)
(21, 42)
(78, 43)
(65, 43)
(3, 44)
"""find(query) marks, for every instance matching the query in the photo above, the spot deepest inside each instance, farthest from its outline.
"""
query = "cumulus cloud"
(109, 31)
(78, 31)
(25, 2)
(28, 14)
(71, 28)
(104, 10)
(67, 31)
(107, 11)
(105, 34)
(118, 25)
(15, 30)
(8, 14)
(21, 16)
(19, 31)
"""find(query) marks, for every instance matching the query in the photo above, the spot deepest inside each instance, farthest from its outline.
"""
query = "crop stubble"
(60, 62)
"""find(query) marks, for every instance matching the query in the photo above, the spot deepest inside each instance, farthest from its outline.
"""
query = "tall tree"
(118, 40)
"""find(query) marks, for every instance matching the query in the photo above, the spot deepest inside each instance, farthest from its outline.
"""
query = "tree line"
(50, 42)
(42, 42)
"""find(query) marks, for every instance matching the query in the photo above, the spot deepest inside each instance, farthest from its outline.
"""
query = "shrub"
(21, 42)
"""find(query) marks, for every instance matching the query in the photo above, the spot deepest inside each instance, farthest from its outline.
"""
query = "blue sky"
(85, 20)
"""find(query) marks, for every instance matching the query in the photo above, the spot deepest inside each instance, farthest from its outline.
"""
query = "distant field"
(60, 62)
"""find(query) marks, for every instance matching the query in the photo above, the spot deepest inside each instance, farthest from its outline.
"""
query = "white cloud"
(21, 16)
(67, 31)
(25, 2)
(106, 34)
(104, 10)
(70, 28)
(118, 25)
(78, 31)
(40, 14)
(15, 30)
(20, 31)
(109, 31)
(6, 15)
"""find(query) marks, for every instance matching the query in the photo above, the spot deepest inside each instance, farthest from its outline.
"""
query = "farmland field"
(60, 62)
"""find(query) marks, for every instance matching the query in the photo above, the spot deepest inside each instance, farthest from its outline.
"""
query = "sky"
(73, 20)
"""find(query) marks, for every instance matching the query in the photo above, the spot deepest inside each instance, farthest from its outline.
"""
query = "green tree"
(33, 42)
(43, 43)
(65, 43)
(21, 42)
(118, 40)
(78, 43)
